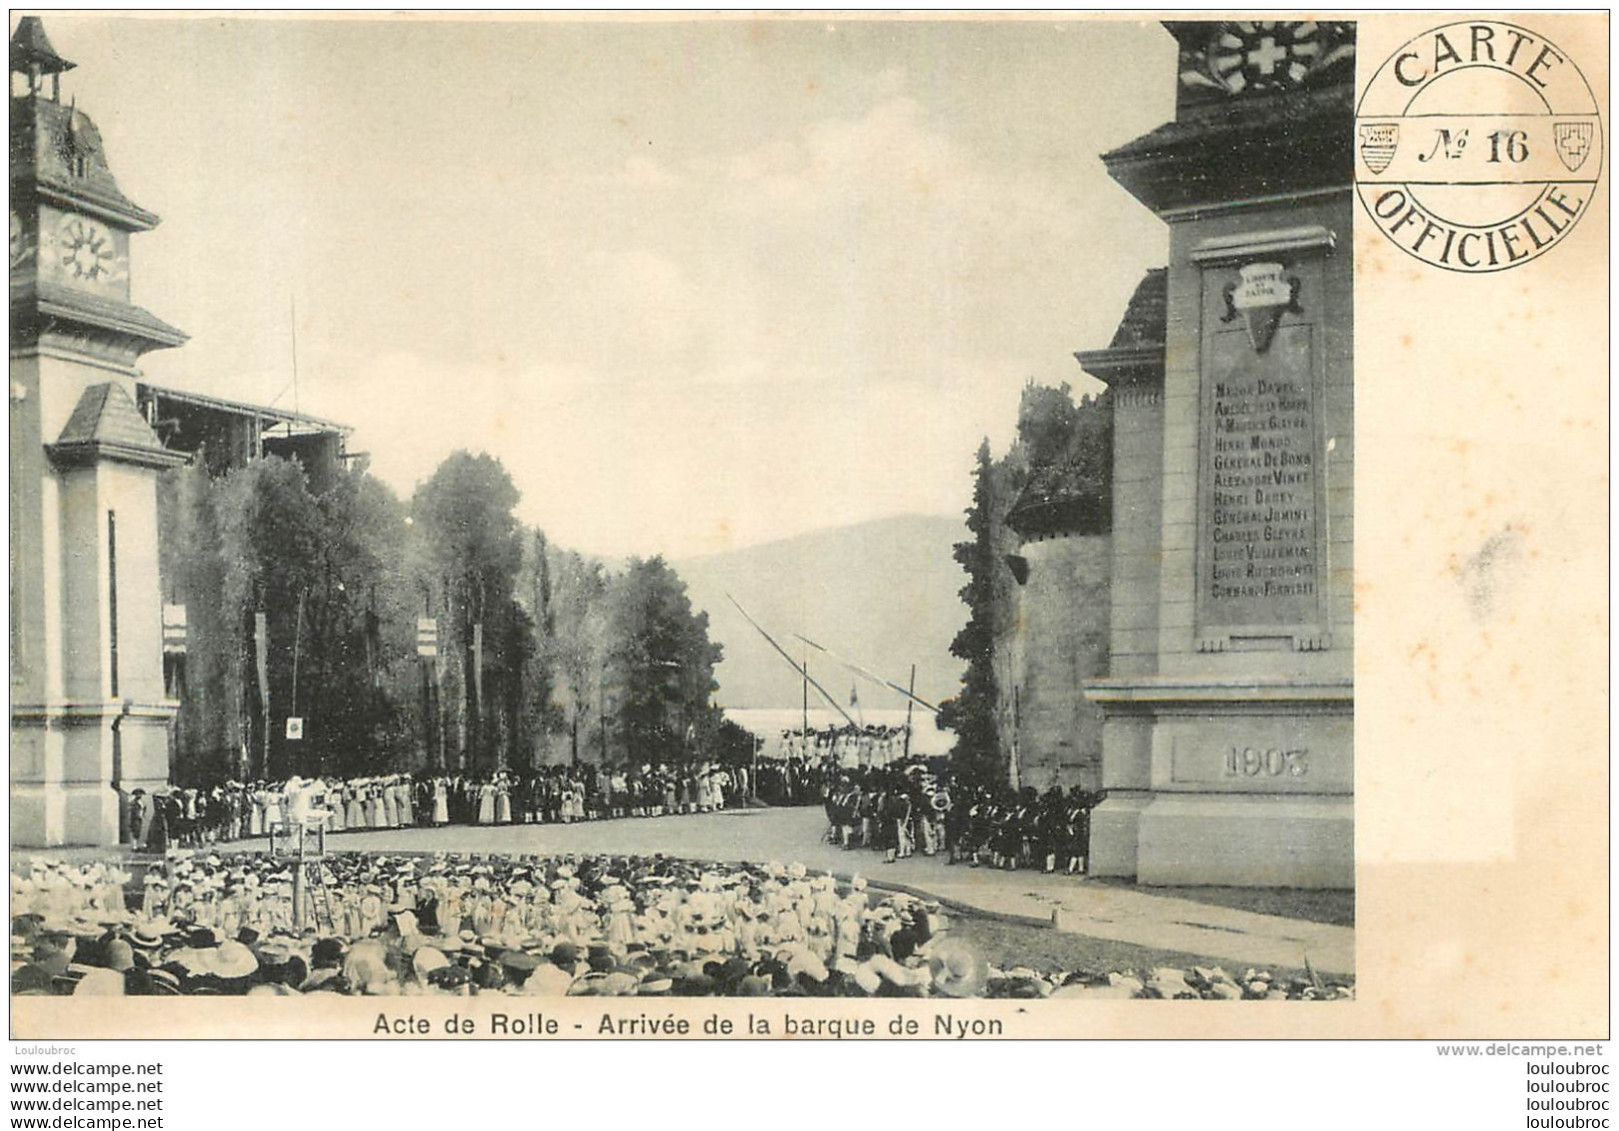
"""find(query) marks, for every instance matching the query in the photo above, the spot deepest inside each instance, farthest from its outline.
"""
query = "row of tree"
(319, 601)
(1060, 461)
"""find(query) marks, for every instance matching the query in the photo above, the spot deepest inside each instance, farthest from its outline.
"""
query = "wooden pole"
(910, 696)
(298, 880)
(601, 710)
(908, 706)
(297, 640)
(801, 669)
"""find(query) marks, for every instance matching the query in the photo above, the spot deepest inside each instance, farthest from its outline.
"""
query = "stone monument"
(89, 716)
(1229, 698)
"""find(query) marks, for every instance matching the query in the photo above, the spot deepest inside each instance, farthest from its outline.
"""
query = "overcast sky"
(698, 285)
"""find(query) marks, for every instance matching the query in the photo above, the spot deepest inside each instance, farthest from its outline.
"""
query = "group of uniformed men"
(907, 806)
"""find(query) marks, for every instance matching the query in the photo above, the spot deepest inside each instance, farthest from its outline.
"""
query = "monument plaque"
(1262, 541)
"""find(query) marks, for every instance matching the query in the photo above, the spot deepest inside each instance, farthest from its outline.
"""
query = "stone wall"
(1059, 638)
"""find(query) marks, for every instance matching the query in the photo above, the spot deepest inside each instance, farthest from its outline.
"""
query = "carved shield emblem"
(1262, 293)
(1573, 142)
(1378, 141)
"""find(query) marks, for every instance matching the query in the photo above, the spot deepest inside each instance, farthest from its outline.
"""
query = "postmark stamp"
(1478, 145)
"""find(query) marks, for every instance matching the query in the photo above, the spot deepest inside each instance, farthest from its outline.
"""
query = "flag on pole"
(427, 636)
(174, 629)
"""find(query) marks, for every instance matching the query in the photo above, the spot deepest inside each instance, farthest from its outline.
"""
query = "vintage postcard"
(941, 526)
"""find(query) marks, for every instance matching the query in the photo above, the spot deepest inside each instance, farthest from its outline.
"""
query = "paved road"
(1100, 911)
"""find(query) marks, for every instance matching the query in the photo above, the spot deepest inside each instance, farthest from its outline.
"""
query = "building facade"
(1229, 695)
(89, 714)
(98, 643)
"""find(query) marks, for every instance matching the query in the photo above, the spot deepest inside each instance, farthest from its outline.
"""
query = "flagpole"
(908, 714)
(910, 696)
(802, 669)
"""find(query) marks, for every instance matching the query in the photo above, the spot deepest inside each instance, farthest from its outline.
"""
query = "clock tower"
(89, 717)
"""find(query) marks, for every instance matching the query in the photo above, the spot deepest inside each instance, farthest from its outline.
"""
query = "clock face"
(1259, 55)
(86, 249)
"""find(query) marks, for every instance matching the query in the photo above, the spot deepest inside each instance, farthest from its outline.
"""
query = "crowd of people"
(208, 923)
(907, 806)
(523, 925)
(231, 811)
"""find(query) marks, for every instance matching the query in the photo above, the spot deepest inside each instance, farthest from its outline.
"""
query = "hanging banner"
(174, 629)
(261, 654)
(477, 661)
(426, 636)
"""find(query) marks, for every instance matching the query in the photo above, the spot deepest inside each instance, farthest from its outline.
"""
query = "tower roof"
(105, 414)
(106, 425)
(31, 50)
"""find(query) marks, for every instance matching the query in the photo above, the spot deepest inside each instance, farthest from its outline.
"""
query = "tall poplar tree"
(977, 755)
(465, 513)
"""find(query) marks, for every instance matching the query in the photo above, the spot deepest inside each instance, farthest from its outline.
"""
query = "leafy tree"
(341, 576)
(977, 754)
(207, 678)
(660, 664)
(1089, 458)
(270, 539)
(539, 715)
(357, 634)
(578, 649)
(732, 744)
(1046, 420)
(465, 515)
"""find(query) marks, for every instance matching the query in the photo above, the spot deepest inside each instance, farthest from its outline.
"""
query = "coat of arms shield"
(1573, 142)
(1378, 140)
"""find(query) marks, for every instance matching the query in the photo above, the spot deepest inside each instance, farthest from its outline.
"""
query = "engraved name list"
(1261, 528)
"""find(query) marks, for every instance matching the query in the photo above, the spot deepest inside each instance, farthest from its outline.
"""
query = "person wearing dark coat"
(870, 816)
(137, 816)
(1049, 828)
(157, 833)
(1077, 829)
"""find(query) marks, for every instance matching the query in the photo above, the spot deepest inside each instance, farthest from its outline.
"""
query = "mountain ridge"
(882, 593)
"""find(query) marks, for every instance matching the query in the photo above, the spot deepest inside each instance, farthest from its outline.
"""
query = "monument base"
(59, 814)
(68, 761)
(1247, 841)
(1115, 832)
(1226, 782)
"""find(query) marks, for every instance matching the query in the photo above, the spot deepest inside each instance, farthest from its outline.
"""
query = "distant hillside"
(880, 593)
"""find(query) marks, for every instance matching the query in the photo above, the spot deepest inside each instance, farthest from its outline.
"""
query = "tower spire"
(33, 57)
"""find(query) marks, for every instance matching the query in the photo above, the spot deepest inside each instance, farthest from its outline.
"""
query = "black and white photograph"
(802, 507)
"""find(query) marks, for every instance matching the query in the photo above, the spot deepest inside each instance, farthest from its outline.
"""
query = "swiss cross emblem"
(1255, 56)
(1573, 142)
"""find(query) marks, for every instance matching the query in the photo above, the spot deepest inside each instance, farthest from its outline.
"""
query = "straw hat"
(234, 960)
(194, 960)
(100, 982)
(958, 969)
(426, 960)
